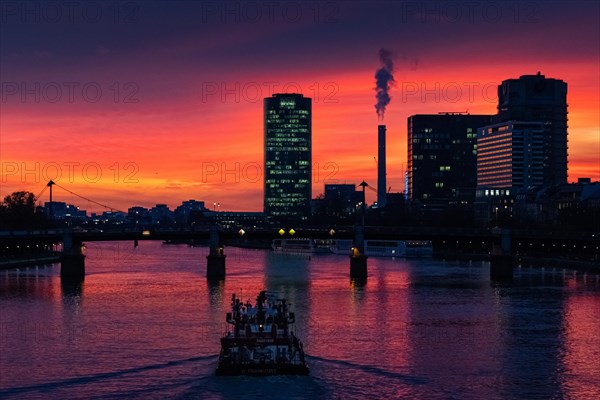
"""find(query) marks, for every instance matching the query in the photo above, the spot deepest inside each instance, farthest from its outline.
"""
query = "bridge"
(448, 240)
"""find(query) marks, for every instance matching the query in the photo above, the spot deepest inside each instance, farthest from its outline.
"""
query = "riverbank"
(526, 261)
(29, 261)
(579, 265)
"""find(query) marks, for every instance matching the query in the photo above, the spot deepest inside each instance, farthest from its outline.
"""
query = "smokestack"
(381, 169)
(384, 80)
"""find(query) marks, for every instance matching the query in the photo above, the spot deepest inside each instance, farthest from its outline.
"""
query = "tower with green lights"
(287, 157)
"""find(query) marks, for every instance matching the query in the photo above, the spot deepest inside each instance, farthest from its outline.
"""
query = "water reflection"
(72, 290)
(358, 284)
(286, 270)
(532, 335)
(216, 289)
(416, 328)
(34, 282)
(581, 356)
(287, 275)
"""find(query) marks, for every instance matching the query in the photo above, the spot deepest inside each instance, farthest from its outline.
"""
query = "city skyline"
(178, 141)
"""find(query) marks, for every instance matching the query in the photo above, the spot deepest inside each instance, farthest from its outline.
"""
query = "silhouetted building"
(237, 219)
(337, 205)
(342, 198)
(187, 211)
(287, 157)
(395, 199)
(535, 98)
(442, 164)
(62, 210)
(59, 209)
(109, 218)
(570, 206)
(139, 216)
(161, 215)
(381, 167)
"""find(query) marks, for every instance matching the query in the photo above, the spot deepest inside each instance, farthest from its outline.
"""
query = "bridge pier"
(358, 267)
(72, 260)
(215, 260)
(501, 261)
(358, 259)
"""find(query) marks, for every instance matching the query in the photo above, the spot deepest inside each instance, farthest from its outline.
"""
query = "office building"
(442, 163)
(510, 156)
(287, 157)
(535, 98)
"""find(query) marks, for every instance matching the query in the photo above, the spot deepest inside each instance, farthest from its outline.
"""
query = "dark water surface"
(145, 323)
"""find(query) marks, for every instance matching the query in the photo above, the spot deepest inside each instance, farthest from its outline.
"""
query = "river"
(145, 323)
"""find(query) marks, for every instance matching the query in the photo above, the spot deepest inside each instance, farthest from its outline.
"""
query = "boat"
(386, 248)
(301, 246)
(260, 340)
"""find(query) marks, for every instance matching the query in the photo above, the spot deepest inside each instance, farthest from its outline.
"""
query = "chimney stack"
(381, 169)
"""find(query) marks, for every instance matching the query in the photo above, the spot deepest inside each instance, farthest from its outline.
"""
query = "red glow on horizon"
(165, 151)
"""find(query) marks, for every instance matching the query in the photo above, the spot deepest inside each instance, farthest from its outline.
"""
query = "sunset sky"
(138, 103)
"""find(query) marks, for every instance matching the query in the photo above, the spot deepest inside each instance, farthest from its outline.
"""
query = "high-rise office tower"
(287, 157)
(381, 167)
(442, 151)
(535, 98)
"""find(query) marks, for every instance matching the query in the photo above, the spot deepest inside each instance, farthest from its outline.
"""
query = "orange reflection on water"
(581, 359)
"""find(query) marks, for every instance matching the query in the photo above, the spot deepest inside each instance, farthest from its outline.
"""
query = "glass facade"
(287, 157)
(511, 155)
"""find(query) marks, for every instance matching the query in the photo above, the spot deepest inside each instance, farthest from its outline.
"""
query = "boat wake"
(99, 377)
(403, 378)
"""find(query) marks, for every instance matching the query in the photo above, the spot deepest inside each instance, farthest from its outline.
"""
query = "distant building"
(187, 211)
(342, 198)
(109, 218)
(139, 216)
(535, 98)
(236, 219)
(571, 205)
(287, 157)
(442, 163)
(58, 209)
(395, 200)
(161, 215)
(62, 210)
